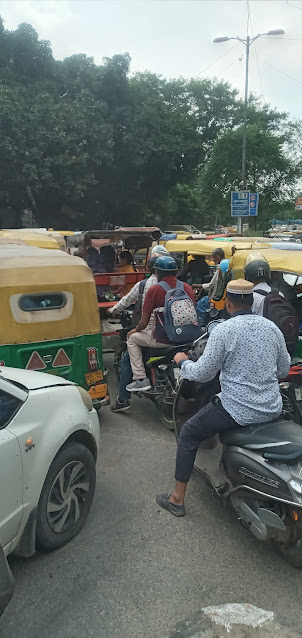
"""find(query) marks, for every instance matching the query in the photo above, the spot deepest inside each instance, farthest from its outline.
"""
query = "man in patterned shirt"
(250, 353)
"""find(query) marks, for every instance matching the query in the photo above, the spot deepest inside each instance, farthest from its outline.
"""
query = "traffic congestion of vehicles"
(153, 303)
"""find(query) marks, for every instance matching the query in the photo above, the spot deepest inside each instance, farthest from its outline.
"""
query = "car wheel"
(66, 496)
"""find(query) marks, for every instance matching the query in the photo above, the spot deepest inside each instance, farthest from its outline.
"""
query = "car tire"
(66, 496)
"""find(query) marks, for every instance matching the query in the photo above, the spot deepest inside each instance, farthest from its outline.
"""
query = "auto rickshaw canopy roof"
(279, 260)
(41, 239)
(204, 246)
(28, 270)
(65, 233)
(134, 238)
(27, 265)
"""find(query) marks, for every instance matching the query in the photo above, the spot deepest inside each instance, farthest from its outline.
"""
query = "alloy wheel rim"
(67, 497)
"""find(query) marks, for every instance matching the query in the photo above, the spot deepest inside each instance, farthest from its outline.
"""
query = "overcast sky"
(174, 38)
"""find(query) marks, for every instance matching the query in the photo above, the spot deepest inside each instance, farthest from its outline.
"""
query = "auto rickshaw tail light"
(92, 358)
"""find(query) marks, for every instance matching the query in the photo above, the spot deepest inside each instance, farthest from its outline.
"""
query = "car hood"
(30, 379)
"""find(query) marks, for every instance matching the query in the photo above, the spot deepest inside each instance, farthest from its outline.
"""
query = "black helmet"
(166, 264)
(256, 267)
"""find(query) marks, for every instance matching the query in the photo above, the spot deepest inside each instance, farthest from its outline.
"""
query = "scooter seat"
(279, 437)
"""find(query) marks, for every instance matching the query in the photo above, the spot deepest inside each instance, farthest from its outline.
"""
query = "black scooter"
(257, 468)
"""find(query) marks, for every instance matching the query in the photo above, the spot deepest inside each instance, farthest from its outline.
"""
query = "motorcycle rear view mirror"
(213, 312)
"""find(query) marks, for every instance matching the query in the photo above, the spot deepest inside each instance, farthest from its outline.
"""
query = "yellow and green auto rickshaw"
(49, 317)
(286, 274)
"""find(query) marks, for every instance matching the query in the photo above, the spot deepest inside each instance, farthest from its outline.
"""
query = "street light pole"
(247, 42)
(244, 138)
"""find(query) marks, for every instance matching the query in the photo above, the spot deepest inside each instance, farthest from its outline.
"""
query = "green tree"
(88, 145)
(269, 171)
(184, 206)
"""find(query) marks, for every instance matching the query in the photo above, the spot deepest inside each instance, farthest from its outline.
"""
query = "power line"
(256, 54)
(293, 5)
(292, 39)
(227, 67)
(214, 62)
(248, 17)
(283, 72)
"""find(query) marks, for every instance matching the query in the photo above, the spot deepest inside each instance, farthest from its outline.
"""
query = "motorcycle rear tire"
(166, 415)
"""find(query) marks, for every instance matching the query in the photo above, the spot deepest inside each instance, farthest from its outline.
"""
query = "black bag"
(137, 311)
(284, 315)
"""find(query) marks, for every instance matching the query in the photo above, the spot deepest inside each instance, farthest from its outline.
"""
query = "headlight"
(86, 398)
(295, 487)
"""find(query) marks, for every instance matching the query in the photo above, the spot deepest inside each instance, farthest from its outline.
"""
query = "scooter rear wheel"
(292, 551)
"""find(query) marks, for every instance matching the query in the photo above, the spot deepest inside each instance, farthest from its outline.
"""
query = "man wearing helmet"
(258, 272)
(122, 402)
(142, 335)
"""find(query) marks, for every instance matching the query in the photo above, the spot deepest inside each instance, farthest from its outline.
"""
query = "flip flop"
(163, 501)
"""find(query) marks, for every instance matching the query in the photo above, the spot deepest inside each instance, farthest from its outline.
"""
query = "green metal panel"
(76, 349)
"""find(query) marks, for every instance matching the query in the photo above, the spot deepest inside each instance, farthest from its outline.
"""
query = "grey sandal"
(163, 501)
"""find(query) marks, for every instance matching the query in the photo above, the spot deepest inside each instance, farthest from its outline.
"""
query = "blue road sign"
(240, 204)
(254, 201)
(244, 204)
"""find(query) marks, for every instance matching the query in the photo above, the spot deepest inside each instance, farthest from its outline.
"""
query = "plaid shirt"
(132, 296)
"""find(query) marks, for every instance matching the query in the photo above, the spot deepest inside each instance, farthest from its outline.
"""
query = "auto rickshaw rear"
(50, 318)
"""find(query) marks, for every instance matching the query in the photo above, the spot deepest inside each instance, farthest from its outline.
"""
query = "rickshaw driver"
(217, 256)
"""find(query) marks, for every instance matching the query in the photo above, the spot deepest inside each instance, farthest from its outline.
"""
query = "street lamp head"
(222, 39)
(276, 32)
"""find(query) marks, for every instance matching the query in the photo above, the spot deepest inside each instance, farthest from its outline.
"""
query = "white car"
(49, 438)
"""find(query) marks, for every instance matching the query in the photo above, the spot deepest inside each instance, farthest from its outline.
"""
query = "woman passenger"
(126, 265)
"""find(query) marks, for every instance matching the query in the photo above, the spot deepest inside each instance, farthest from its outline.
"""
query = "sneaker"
(120, 406)
(139, 386)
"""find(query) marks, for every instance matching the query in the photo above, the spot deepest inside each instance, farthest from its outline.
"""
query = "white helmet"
(159, 250)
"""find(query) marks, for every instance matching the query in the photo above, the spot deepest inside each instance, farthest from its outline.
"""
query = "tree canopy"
(85, 145)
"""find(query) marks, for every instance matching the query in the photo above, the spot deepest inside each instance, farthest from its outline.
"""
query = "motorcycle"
(257, 468)
(163, 373)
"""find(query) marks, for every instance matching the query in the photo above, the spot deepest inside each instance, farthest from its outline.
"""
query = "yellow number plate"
(94, 377)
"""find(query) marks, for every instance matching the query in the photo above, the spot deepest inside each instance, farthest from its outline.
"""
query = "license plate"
(177, 374)
(94, 377)
(298, 393)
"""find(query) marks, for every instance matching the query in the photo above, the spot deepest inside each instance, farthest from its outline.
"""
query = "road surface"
(137, 572)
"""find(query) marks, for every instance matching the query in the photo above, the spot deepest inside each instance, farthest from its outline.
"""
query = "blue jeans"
(126, 377)
(202, 306)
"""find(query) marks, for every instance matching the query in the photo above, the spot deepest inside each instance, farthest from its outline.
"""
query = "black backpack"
(284, 315)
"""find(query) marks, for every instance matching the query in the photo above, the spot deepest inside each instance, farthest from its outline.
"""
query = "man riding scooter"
(251, 354)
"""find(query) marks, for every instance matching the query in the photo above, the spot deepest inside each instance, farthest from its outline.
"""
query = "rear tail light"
(92, 358)
(295, 371)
